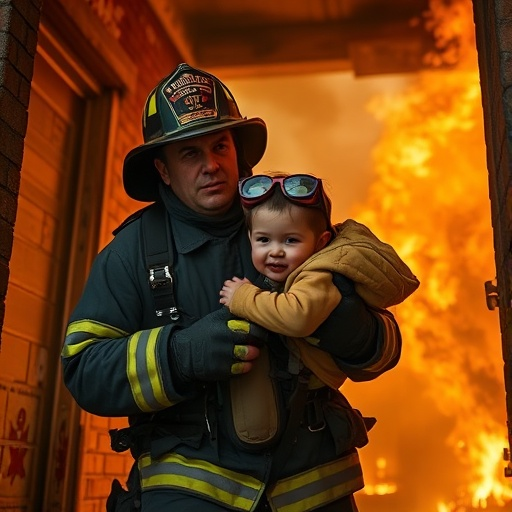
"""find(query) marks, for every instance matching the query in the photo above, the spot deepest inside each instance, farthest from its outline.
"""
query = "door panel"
(39, 265)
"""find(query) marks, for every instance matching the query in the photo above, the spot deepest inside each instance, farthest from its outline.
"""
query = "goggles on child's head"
(302, 189)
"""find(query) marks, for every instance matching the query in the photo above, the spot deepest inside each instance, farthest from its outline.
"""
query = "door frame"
(94, 158)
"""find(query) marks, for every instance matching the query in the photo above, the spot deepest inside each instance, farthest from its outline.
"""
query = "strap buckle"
(172, 312)
(159, 276)
(314, 413)
(161, 282)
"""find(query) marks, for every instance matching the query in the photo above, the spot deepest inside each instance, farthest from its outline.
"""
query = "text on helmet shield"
(191, 98)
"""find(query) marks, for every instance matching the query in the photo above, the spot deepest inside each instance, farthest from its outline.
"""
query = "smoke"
(406, 156)
(318, 124)
(429, 199)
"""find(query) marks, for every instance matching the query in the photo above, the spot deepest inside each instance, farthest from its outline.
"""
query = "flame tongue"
(430, 201)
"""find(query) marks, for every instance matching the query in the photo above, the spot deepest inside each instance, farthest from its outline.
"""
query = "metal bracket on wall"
(491, 295)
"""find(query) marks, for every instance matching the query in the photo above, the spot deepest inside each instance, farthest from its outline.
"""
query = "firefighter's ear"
(162, 170)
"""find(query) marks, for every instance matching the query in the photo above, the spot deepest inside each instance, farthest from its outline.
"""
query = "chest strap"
(159, 254)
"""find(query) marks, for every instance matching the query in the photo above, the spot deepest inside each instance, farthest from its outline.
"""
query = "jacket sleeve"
(111, 366)
(296, 312)
(364, 342)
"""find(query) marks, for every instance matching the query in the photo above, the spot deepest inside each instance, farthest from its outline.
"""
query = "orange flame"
(430, 200)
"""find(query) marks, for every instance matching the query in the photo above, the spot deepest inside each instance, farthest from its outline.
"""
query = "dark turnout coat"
(116, 363)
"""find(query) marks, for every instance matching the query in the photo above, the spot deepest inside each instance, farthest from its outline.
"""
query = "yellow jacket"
(380, 277)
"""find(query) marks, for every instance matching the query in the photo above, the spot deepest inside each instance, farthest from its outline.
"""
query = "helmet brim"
(140, 177)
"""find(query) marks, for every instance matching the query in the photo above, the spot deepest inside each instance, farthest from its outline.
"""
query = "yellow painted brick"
(98, 422)
(114, 464)
(118, 422)
(93, 463)
(98, 487)
(104, 442)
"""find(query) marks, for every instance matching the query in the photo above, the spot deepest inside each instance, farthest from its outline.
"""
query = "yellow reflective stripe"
(82, 333)
(390, 339)
(151, 106)
(226, 487)
(239, 326)
(318, 486)
(143, 373)
(131, 372)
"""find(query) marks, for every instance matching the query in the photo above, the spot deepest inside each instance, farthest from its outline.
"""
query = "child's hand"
(229, 289)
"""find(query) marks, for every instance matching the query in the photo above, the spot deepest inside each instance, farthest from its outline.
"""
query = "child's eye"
(263, 239)
(292, 240)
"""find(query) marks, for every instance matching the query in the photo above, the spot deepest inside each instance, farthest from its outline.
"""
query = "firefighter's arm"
(112, 367)
(364, 342)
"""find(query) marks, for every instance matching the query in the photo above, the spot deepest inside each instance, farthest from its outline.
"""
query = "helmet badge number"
(191, 98)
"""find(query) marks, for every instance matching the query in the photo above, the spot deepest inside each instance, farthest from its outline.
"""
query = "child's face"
(282, 241)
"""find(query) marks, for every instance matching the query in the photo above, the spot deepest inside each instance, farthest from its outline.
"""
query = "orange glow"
(380, 489)
(441, 430)
(429, 199)
(383, 485)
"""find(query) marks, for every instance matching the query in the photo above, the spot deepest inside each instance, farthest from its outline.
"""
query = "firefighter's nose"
(210, 163)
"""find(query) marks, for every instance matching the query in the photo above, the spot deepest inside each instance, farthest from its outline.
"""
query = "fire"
(429, 199)
(488, 451)
(383, 485)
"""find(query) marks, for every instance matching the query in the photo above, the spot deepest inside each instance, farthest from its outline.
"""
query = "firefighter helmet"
(188, 103)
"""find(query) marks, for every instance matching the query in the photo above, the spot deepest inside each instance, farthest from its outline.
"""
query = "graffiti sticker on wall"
(18, 432)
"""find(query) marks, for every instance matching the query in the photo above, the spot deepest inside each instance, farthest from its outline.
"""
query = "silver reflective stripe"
(318, 486)
(200, 477)
(143, 371)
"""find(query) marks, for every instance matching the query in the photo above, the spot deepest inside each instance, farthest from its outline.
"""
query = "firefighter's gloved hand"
(214, 348)
(256, 334)
(349, 332)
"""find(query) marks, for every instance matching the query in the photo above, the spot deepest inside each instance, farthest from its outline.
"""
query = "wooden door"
(32, 334)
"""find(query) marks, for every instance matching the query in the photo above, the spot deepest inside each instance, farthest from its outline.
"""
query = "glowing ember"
(383, 486)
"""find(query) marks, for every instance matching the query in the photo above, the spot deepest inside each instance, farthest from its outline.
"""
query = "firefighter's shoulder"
(134, 216)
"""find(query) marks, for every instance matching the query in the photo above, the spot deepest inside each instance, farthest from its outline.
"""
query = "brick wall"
(133, 24)
(493, 21)
(19, 21)
(142, 37)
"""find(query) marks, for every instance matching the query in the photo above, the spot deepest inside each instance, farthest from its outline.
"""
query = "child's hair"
(318, 220)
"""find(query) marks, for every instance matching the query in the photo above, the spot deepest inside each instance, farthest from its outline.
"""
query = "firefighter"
(220, 418)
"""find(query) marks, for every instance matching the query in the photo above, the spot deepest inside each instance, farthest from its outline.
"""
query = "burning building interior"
(438, 445)
(430, 160)
(441, 437)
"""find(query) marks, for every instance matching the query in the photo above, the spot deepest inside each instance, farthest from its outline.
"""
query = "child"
(284, 232)
(297, 250)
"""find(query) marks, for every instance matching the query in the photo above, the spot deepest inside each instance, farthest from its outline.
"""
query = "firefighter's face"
(202, 172)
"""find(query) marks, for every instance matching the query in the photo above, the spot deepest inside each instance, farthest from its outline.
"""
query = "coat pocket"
(347, 425)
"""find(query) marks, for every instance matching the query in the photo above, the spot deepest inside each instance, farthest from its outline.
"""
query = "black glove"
(214, 348)
(349, 333)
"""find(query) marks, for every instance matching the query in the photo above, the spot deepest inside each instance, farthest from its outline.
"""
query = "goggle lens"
(300, 185)
(296, 186)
